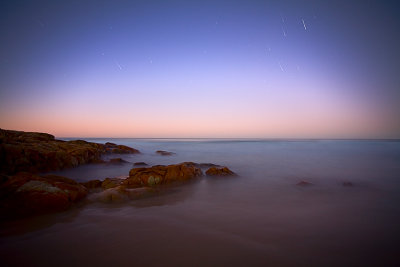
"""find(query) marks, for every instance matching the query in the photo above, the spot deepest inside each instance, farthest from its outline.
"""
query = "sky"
(201, 69)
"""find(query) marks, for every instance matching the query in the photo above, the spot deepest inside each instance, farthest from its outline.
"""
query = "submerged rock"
(219, 171)
(304, 183)
(157, 175)
(164, 153)
(121, 194)
(29, 194)
(347, 183)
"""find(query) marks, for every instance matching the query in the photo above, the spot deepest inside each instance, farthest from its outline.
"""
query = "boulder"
(159, 175)
(219, 171)
(29, 194)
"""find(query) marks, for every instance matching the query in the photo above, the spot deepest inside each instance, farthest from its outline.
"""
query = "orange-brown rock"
(92, 184)
(111, 182)
(29, 194)
(219, 171)
(119, 149)
(40, 152)
(158, 175)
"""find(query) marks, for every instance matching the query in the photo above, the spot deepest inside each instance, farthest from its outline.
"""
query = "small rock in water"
(304, 183)
(141, 163)
(347, 183)
(164, 153)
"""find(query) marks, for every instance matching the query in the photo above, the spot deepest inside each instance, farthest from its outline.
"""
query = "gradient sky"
(264, 69)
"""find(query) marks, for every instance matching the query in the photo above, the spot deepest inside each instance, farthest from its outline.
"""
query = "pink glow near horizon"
(119, 71)
(263, 113)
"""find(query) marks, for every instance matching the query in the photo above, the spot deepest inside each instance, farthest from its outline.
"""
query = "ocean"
(259, 218)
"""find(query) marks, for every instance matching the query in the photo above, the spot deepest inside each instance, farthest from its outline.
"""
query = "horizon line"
(239, 138)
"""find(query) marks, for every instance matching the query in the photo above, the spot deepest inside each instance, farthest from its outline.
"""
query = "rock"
(122, 194)
(111, 182)
(219, 171)
(120, 149)
(164, 153)
(159, 175)
(347, 183)
(304, 183)
(28, 194)
(40, 152)
(140, 163)
(108, 144)
(93, 184)
(117, 161)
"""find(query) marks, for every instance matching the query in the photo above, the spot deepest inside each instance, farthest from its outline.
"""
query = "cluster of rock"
(41, 152)
(23, 192)
(27, 194)
(143, 182)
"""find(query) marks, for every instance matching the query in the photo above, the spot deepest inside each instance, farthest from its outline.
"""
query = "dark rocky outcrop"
(41, 152)
(23, 192)
(29, 194)
(219, 171)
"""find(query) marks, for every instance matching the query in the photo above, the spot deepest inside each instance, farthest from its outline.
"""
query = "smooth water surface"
(260, 218)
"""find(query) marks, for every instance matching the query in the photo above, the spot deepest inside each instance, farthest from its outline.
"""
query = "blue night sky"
(302, 69)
